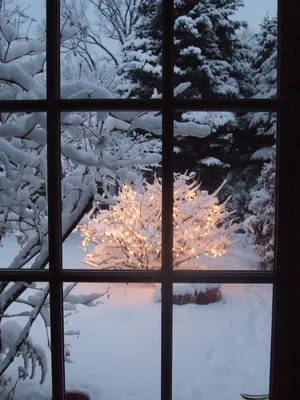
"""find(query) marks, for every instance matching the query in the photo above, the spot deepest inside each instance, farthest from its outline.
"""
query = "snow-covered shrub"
(128, 234)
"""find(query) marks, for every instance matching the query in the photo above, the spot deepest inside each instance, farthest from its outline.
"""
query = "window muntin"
(57, 276)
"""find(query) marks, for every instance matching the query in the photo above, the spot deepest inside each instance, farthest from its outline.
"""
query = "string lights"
(128, 235)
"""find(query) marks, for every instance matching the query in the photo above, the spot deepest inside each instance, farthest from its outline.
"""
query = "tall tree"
(255, 134)
(262, 206)
(211, 53)
(262, 221)
(208, 50)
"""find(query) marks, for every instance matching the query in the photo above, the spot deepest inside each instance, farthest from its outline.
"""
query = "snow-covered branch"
(128, 234)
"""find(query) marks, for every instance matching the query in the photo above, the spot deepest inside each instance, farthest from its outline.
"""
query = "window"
(284, 383)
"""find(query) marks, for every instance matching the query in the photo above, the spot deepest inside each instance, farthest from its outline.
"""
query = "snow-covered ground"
(220, 350)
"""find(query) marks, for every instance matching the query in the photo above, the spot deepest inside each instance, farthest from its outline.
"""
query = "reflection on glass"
(23, 201)
(119, 341)
(112, 159)
(221, 344)
(25, 358)
(224, 191)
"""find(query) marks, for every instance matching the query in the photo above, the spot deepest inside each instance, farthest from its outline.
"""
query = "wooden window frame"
(285, 351)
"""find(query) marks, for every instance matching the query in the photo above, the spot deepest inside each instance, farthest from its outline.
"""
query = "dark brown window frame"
(285, 354)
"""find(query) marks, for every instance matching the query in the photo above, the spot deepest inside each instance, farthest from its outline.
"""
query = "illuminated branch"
(128, 234)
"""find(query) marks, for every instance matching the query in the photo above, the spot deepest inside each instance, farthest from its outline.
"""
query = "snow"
(154, 124)
(218, 348)
(209, 161)
(214, 119)
(262, 154)
(10, 331)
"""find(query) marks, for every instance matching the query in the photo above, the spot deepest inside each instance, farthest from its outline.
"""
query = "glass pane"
(111, 190)
(225, 50)
(221, 343)
(23, 50)
(224, 191)
(23, 199)
(25, 358)
(117, 347)
(111, 48)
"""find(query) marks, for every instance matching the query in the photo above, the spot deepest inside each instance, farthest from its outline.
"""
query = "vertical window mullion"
(285, 382)
(167, 201)
(54, 196)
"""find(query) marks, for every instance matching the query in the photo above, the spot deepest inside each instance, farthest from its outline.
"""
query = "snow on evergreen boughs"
(262, 221)
(211, 53)
(262, 205)
(265, 67)
(128, 235)
(208, 50)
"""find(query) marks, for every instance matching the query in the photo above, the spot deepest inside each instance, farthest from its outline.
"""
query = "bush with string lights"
(128, 234)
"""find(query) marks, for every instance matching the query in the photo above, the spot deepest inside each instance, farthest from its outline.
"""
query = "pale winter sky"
(253, 12)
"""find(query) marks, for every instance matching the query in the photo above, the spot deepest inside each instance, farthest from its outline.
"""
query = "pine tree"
(265, 67)
(141, 69)
(255, 134)
(262, 222)
(262, 206)
(208, 50)
(209, 53)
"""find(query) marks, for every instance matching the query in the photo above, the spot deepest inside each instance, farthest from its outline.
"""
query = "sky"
(253, 12)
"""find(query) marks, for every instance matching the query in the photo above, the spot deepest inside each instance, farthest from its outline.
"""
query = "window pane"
(118, 347)
(25, 374)
(225, 50)
(224, 190)
(111, 190)
(23, 50)
(23, 199)
(106, 48)
(221, 349)
(111, 49)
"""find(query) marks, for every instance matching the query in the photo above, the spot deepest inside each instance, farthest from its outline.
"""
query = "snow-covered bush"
(128, 234)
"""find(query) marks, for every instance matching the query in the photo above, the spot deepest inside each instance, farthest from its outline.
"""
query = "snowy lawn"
(220, 350)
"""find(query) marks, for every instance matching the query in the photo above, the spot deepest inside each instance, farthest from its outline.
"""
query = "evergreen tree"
(262, 222)
(262, 206)
(209, 53)
(141, 69)
(208, 50)
(255, 136)
(265, 67)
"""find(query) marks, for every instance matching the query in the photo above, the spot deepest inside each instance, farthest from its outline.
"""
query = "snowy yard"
(220, 348)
